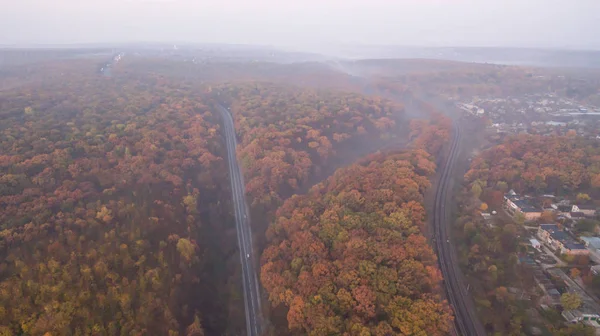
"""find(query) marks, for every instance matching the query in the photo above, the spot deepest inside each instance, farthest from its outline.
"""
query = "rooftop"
(587, 207)
(549, 227)
(521, 202)
(534, 241)
(575, 246)
(593, 242)
(553, 292)
(581, 313)
(558, 234)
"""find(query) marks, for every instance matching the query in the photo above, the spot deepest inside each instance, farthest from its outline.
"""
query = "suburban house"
(514, 204)
(563, 208)
(535, 243)
(582, 315)
(575, 211)
(559, 240)
(593, 245)
(587, 210)
(574, 249)
(591, 242)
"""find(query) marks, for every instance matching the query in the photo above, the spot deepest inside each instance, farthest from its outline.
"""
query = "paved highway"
(244, 234)
(466, 320)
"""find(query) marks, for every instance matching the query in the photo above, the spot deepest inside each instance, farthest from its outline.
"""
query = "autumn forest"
(120, 215)
(117, 216)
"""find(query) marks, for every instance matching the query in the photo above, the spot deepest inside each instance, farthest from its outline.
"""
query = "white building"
(535, 243)
(578, 316)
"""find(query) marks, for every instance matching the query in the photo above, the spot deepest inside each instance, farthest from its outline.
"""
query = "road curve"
(466, 321)
(244, 233)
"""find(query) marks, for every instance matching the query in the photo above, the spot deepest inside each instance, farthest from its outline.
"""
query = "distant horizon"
(307, 25)
(275, 46)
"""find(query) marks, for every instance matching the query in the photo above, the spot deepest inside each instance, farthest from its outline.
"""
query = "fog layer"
(513, 23)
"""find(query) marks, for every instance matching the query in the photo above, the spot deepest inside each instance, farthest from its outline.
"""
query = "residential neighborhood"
(552, 235)
(543, 113)
(560, 251)
(532, 208)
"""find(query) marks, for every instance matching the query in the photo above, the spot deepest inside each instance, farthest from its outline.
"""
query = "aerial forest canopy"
(116, 214)
(350, 257)
(103, 188)
(288, 134)
(535, 163)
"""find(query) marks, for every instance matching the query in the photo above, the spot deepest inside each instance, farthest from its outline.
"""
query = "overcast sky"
(515, 23)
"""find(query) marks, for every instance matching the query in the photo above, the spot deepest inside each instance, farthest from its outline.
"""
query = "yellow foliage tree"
(570, 301)
(186, 248)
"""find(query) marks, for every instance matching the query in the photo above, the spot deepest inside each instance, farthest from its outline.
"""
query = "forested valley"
(308, 168)
(350, 257)
(117, 217)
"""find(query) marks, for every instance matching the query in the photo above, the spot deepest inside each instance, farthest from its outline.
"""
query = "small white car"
(247, 255)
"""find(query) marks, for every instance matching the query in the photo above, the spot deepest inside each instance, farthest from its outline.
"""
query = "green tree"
(520, 218)
(570, 301)
(577, 330)
(581, 197)
(502, 186)
(190, 202)
(476, 190)
(587, 225)
(493, 271)
(186, 248)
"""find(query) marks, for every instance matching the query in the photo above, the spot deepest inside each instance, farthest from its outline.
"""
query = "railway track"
(466, 320)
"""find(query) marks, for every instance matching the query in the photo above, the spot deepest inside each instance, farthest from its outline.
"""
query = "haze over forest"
(273, 168)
